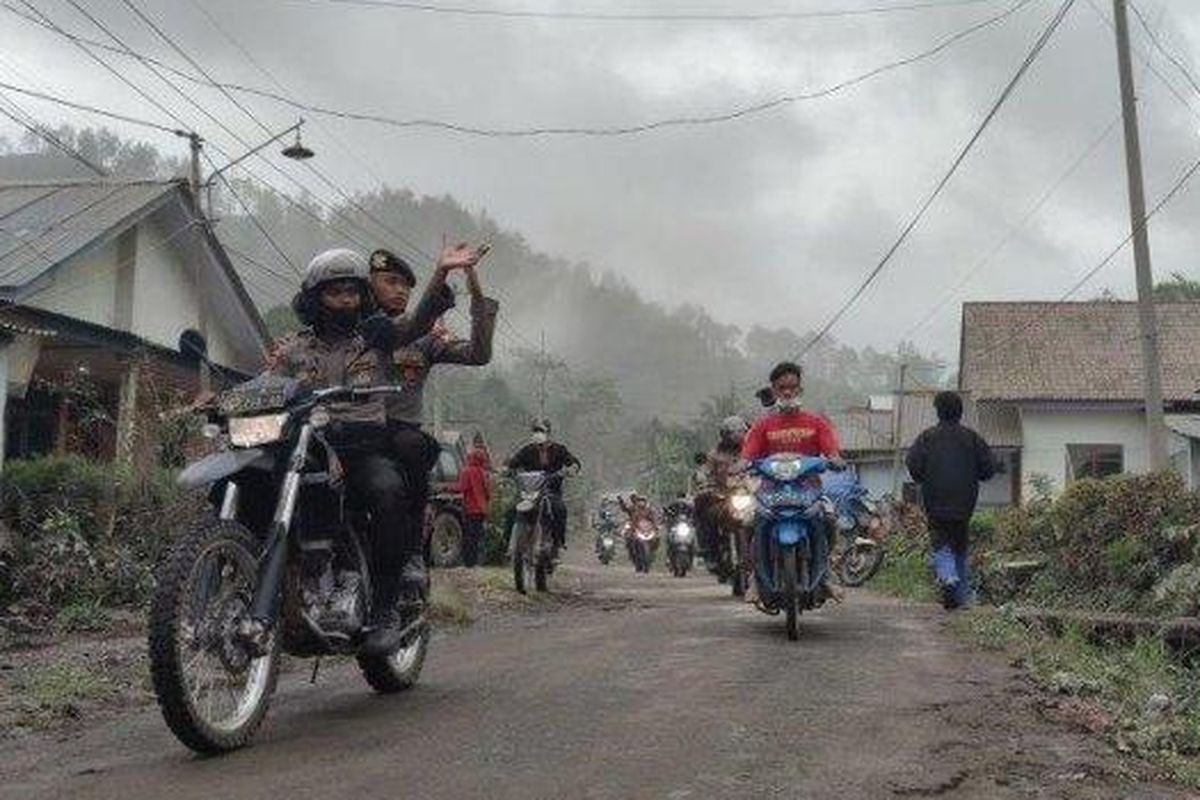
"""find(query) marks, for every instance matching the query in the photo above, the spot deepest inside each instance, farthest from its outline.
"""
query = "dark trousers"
(415, 453)
(377, 483)
(951, 548)
(472, 538)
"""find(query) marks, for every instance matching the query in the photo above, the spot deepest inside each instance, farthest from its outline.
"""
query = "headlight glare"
(255, 431)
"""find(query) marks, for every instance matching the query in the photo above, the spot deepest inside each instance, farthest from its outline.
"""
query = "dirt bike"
(281, 567)
(532, 547)
(606, 536)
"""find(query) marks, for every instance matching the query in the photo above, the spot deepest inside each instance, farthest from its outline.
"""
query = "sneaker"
(949, 595)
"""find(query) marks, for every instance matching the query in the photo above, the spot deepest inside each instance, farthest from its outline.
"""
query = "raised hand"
(461, 256)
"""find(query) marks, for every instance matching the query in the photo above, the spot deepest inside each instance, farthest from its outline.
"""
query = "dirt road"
(642, 687)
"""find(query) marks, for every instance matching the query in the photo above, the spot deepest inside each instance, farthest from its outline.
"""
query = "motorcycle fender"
(789, 532)
(216, 466)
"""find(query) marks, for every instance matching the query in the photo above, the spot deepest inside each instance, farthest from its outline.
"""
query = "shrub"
(87, 533)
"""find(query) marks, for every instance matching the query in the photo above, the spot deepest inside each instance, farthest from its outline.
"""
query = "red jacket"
(475, 484)
(801, 432)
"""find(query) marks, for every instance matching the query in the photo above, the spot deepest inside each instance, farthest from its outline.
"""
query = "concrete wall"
(1046, 433)
(83, 288)
(166, 302)
(876, 476)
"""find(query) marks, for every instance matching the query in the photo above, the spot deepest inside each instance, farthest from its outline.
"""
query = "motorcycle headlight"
(741, 502)
(255, 431)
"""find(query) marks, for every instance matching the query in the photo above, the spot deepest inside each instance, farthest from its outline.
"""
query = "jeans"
(951, 559)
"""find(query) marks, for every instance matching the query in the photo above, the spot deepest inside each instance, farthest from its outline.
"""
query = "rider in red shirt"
(789, 429)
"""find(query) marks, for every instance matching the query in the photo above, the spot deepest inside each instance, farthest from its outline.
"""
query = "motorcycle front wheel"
(213, 692)
(395, 672)
(522, 559)
(790, 596)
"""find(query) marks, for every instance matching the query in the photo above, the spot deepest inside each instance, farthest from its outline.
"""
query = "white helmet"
(338, 264)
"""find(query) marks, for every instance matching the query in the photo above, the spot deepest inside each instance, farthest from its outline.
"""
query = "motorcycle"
(681, 539)
(606, 536)
(282, 567)
(736, 527)
(861, 526)
(642, 541)
(791, 535)
(534, 552)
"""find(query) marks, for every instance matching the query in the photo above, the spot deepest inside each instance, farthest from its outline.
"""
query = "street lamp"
(295, 151)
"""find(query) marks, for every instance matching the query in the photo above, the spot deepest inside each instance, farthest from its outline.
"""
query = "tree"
(1178, 288)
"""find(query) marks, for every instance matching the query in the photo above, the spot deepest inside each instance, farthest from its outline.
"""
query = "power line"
(1107, 259)
(592, 16)
(1158, 45)
(62, 101)
(23, 118)
(595, 131)
(1028, 61)
(1015, 229)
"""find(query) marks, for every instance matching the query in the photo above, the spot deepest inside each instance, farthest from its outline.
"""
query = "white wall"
(165, 300)
(83, 288)
(1046, 433)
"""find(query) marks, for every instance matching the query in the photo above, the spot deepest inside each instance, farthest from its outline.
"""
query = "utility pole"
(1156, 432)
(194, 181)
(897, 422)
(542, 367)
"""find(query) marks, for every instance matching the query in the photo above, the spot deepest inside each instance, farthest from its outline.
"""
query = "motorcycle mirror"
(193, 345)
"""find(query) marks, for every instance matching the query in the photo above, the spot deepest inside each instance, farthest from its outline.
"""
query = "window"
(1094, 461)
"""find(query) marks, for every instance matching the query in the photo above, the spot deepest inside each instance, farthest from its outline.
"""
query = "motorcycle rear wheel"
(791, 597)
(859, 564)
(196, 664)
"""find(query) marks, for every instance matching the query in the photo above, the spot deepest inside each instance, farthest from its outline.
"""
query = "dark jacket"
(412, 363)
(548, 457)
(950, 461)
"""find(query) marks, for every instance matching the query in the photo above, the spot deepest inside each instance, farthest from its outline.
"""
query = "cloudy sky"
(773, 218)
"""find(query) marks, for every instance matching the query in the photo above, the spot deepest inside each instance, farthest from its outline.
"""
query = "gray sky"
(770, 219)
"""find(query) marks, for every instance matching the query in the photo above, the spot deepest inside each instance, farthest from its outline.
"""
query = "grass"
(1141, 696)
(82, 617)
(905, 573)
(448, 604)
(62, 689)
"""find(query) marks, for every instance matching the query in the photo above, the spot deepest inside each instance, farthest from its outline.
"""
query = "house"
(866, 435)
(99, 279)
(1070, 376)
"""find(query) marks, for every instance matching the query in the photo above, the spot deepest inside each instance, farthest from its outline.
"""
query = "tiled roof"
(1075, 351)
(42, 224)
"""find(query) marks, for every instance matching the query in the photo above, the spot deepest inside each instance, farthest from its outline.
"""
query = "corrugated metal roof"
(41, 225)
(863, 430)
(1075, 351)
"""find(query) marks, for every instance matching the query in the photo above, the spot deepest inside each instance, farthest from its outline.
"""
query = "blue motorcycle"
(861, 527)
(791, 535)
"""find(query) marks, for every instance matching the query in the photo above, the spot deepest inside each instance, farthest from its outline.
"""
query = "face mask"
(540, 438)
(341, 319)
(789, 404)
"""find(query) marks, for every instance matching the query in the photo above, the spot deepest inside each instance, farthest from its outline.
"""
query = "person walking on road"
(949, 461)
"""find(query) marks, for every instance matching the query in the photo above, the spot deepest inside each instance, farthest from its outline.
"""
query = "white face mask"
(540, 437)
(788, 404)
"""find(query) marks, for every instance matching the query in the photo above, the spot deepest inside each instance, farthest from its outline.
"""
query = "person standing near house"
(949, 461)
(476, 487)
